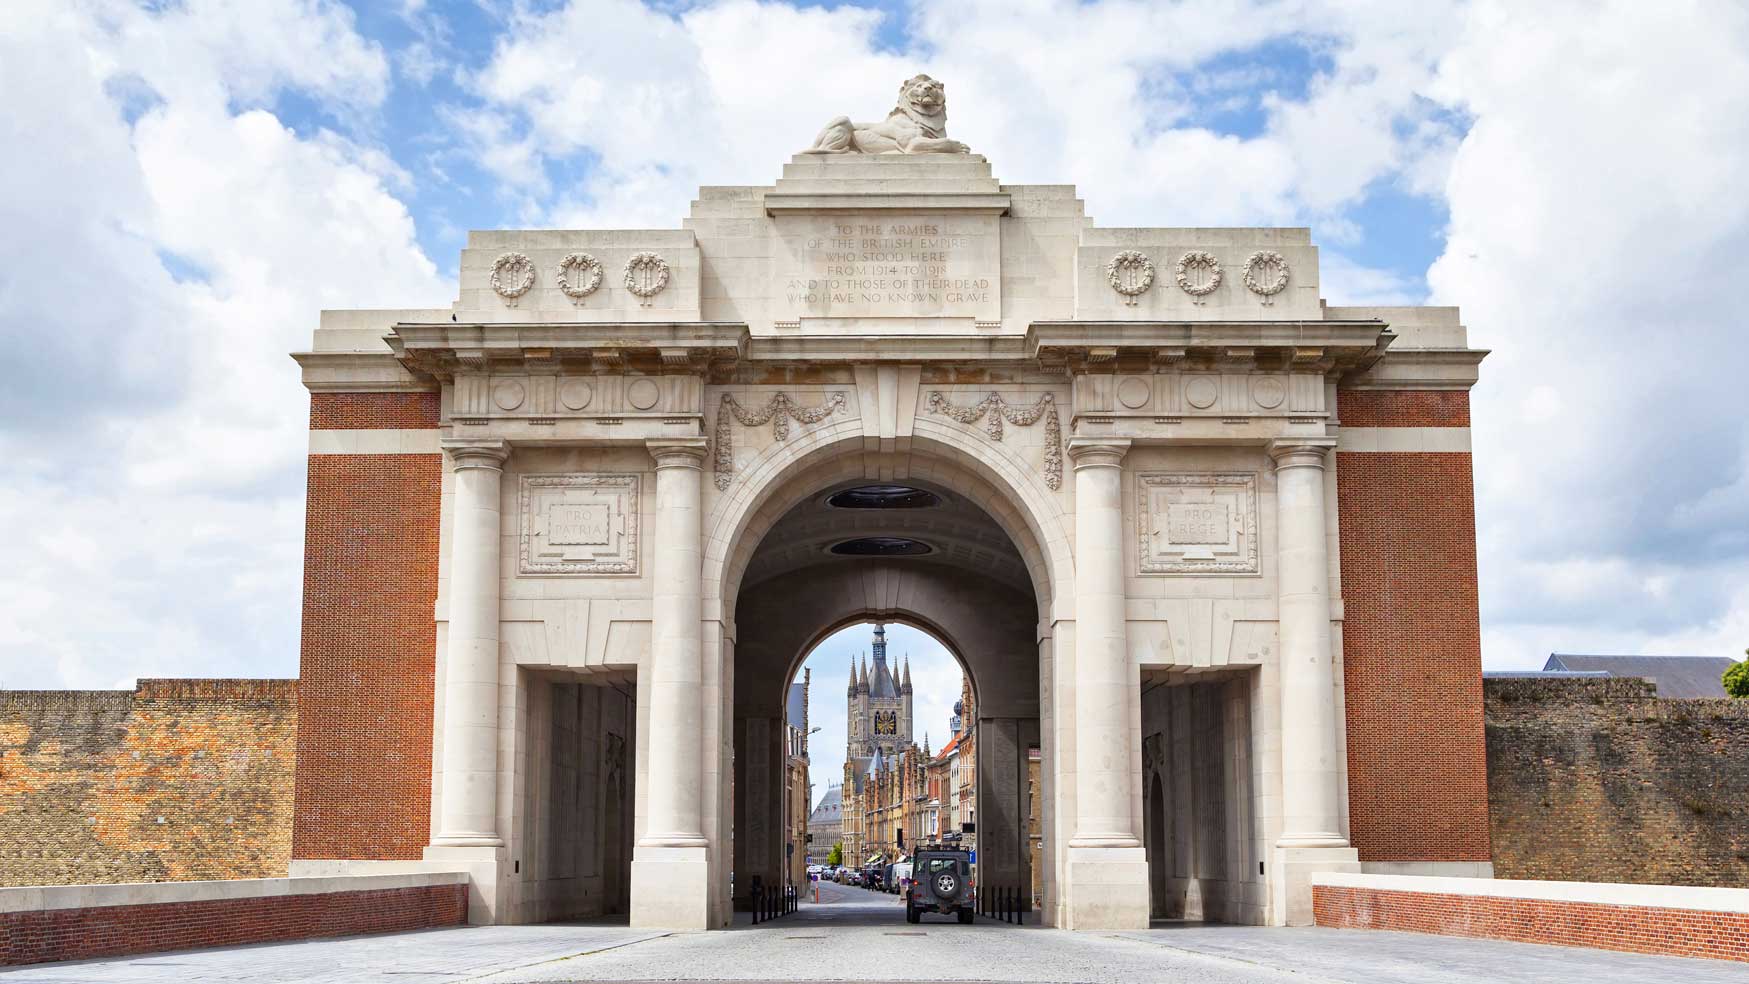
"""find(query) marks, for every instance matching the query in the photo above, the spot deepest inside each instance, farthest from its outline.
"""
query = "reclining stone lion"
(917, 125)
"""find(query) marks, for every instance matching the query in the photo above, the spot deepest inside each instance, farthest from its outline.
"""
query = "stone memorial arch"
(1204, 540)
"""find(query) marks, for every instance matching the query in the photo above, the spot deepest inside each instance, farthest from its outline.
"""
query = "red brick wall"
(106, 931)
(175, 780)
(1411, 641)
(373, 411)
(368, 653)
(1403, 408)
(1636, 929)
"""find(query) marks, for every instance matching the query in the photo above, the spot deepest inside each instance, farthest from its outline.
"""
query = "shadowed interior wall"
(176, 780)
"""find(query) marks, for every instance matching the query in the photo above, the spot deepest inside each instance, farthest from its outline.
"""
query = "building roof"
(831, 808)
(1674, 676)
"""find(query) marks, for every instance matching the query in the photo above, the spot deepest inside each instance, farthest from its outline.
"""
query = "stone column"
(468, 815)
(1108, 878)
(670, 885)
(1311, 774)
(467, 835)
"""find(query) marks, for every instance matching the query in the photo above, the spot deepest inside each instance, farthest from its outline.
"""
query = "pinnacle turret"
(905, 687)
(850, 688)
(862, 681)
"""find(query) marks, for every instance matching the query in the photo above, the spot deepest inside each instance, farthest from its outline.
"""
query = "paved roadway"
(856, 935)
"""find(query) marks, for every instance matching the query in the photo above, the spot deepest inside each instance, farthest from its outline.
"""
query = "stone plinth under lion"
(917, 125)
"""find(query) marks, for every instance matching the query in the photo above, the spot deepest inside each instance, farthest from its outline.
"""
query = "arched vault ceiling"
(963, 536)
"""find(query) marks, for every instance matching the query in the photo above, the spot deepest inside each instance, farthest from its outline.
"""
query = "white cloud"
(155, 502)
(1592, 211)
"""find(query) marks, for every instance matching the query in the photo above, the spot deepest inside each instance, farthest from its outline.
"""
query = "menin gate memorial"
(1202, 539)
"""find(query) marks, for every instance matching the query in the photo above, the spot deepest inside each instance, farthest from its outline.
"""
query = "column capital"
(1304, 452)
(476, 453)
(1097, 452)
(677, 452)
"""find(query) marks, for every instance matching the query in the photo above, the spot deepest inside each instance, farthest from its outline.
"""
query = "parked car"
(901, 873)
(942, 883)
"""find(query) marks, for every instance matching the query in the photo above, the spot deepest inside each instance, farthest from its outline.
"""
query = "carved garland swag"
(777, 412)
(993, 410)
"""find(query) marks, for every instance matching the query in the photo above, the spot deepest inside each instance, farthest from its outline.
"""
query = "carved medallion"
(1134, 392)
(581, 523)
(1268, 391)
(642, 394)
(1197, 523)
(512, 276)
(994, 410)
(1130, 273)
(575, 394)
(778, 412)
(645, 275)
(1265, 274)
(1201, 392)
(1199, 274)
(579, 275)
(509, 394)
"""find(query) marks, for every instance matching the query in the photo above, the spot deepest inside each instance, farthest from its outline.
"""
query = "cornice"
(440, 350)
(1426, 369)
(1105, 346)
(930, 203)
(357, 372)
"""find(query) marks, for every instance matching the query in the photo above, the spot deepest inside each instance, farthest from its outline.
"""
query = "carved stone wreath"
(993, 410)
(1130, 273)
(512, 276)
(646, 274)
(1198, 262)
(778, 412)
(579, 275)
(1257, 267)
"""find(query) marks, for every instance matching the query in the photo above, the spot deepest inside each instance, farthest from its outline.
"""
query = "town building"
(826, 825)
(798, 791)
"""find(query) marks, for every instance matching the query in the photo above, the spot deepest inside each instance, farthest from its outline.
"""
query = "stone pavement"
(854, 935)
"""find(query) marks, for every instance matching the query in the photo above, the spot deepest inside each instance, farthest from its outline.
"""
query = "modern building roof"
(1674, 676)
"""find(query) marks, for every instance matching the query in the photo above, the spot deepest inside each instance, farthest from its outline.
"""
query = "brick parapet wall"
(1631, 928)
(1601, 780)
(373, 411)
(1403, 408)
(176, 780)
(368, 656)
(1411, 649)
(39, 935)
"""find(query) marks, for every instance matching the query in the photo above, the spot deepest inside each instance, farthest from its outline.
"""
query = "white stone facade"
(1131, 429)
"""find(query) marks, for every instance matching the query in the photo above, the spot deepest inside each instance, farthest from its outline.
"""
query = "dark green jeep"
(941, 881)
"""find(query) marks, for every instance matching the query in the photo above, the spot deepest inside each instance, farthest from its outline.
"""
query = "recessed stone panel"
(888, 266)
(1198, 523)
(584, 523)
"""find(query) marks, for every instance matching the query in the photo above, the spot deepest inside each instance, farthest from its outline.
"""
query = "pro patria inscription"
(875, 266)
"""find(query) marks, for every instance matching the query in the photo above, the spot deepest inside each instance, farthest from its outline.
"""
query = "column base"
(485, 867)
(1107, 888)
(1290, 882)
(670, 888)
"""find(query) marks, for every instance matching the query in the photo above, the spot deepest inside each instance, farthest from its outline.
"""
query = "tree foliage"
(1737, 678)
(837, 855)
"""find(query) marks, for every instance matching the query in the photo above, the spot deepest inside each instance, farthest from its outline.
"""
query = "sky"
(187, 183)
(936, 678)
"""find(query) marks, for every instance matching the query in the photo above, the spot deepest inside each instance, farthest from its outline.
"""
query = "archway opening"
(852, 579)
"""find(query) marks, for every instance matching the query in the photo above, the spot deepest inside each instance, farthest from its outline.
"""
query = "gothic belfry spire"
(850, 688)
(862, 682)
(905, 687)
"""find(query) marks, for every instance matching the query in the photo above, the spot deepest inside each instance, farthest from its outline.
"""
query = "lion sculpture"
(917, 125)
